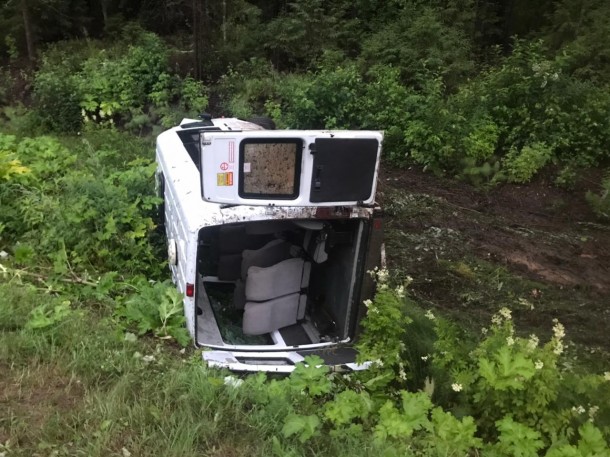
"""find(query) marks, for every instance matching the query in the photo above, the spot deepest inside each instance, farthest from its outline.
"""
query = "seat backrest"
(284, 278)
(273, 252)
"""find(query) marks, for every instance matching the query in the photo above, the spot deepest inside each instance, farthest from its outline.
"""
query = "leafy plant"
(601, 202)
(48, 315)
(305, 427)
(158, 309)
(381, 343)
(311, 377)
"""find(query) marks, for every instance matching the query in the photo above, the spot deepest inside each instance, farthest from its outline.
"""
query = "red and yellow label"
(224, 179)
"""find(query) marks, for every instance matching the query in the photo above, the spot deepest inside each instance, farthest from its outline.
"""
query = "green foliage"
(304, 426)
(400, 424)
(8, 164)
(509, 376)
(156, 308)
(129, 86)
(302, 31)
(381, 342)
(417, 41)
(517, 439)
(57, 97)
(310, 377)
(91, 206)
(47, 315)
(601, 202)
(347, 407)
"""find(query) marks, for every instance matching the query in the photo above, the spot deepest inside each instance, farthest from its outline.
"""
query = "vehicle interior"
(277, 282)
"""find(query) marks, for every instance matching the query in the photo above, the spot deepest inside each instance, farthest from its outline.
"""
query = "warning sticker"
(224, 179)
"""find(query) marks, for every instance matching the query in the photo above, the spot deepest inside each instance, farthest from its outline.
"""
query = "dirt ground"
(535, 247)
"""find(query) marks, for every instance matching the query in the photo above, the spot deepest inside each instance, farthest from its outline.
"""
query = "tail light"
(190, 289)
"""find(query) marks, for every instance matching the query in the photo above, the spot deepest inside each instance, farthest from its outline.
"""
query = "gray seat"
(232, 241)
(270, 254)
(265, 317)
(274, 297)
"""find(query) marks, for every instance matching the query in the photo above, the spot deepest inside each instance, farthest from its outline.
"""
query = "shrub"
(601, 202)
(130, 86)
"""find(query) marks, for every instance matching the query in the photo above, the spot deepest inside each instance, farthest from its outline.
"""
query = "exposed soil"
(536, 243)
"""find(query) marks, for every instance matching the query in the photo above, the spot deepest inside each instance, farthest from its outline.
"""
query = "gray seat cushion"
(283, 278)
(265, 317)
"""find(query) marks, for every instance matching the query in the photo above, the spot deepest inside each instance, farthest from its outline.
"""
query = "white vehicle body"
(234, 193)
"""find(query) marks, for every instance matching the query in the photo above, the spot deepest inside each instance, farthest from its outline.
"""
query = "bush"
(601, 202)
(131, 86)
(57, 97)
(83, 207)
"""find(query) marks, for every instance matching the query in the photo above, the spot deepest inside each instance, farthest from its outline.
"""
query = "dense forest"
(495, 182)
(487, 91)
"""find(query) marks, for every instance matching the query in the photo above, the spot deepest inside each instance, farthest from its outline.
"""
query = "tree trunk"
(104, 4)
(27, 26)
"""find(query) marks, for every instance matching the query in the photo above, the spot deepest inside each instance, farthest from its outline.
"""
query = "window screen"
(270, 168)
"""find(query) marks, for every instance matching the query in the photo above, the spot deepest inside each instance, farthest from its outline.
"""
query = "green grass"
(78, 388)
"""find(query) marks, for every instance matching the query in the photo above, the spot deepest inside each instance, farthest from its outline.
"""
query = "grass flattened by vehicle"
(444, 249)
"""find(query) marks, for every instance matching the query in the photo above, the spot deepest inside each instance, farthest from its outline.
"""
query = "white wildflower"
(558, 348)
(526, 303)
(578, 409)
(592, 412)
(378, 362)
(425, 357)
(532, 343)
(367, 302)
(373, 273)
(538, 364)
(484, 331)
(430, 315)
(408, 281)
(148, 358)
(402, 374)
(400, 291)
(559, 331)
(456, 387)
(505, 313)
(496, 320)
(125, 452)
(510, 340)
(607, 375)
(383, 275)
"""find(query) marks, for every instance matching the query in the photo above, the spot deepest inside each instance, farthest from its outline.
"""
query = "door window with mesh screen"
(270, 168)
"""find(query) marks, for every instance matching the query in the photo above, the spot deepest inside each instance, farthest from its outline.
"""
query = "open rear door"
(290, 167)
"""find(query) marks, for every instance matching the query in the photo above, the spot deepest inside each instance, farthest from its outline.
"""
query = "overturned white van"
(270, 234)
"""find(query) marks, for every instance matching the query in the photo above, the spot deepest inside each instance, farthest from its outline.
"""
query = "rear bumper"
(337, 359)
